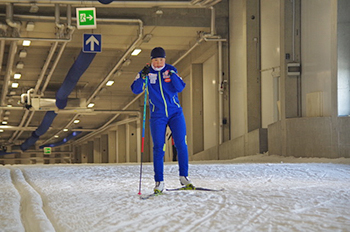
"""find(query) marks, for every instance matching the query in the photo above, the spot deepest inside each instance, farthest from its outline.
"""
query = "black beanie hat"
(157, 52)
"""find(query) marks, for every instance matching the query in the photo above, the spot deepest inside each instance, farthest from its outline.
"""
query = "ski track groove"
(197, 223)
(32, 213)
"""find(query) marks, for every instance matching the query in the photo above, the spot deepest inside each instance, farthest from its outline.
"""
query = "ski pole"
(144, 71)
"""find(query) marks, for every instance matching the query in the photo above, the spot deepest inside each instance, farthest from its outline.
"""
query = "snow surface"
(262, 193)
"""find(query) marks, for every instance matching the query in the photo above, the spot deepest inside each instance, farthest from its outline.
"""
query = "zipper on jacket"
(161, 91)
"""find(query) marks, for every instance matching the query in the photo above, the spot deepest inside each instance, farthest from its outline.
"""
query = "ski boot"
(158, 189)
(186, 183)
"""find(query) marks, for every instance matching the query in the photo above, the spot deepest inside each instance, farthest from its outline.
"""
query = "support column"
(121, 143)
(97, 150)
(112, 147)
(104, 148)
(253, 65)
(84, 151)
(197, 110)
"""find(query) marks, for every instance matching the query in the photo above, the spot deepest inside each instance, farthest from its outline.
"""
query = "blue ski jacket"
(163, 87)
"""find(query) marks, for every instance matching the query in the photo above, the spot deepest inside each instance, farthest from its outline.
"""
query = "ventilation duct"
(78, 68)
(69, 137)
(44, 126)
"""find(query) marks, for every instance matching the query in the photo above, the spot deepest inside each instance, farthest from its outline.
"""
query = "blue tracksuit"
(165, 109)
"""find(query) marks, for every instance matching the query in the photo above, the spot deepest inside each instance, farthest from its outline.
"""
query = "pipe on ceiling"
(121, 60)
(121, 4)
(9, 17)
(45, 67)
(7, 78)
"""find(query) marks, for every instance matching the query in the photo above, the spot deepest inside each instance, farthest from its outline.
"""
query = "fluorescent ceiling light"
(91, 105)
(1, 130)
(65, 129)
(26, 43)
(76, 121)
(9, 105)
(14, 85)
(4, 122)
(136, 52)
(17, 76)
(6, 118)
(110, 83)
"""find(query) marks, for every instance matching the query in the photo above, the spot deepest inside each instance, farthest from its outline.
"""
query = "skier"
(163, 85)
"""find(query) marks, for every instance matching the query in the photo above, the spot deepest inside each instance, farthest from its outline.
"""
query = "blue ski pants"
(177, 125)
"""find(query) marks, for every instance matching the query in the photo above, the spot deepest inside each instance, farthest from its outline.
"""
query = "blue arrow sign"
(92, 43)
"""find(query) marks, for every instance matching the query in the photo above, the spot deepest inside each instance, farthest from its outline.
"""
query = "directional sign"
(47, 150)
(86, 18)
(92, 43)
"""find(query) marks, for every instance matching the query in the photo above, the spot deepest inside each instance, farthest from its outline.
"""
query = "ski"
(195, 189)
(145, 197)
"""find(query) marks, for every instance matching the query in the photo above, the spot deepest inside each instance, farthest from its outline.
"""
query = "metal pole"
(143, 129)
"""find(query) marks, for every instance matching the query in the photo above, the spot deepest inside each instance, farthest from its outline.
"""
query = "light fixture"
(9, 105)
(4, 122)
(126, 62)
(7, 112)
(20, 65)
(22, 53)
(14, 85)
(34, 8)
(76, 121)
(1, 130)
(17, 76)
(147, 38)
(12, 92)
(65, 129)
(91, 105)
(110, 83)
(159, 12)
(56, 136)
(26, 43)
(118, 73)
(30, 26)
(136, 51)
(5, 118)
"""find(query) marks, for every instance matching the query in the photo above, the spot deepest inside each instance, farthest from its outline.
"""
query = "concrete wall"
(343, 125)
(238, 71)
(312, 137)
(210, 99)
(317, 28)
(343, 38)
(252, 143)
(270, 60)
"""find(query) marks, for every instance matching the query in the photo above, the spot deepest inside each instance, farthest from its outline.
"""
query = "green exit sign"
(86, 18)
(47, 150)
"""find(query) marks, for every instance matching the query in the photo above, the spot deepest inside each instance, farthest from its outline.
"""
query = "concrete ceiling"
(56, 43)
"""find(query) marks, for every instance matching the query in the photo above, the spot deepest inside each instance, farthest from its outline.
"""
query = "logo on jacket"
(166, 76)
(152, 78)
